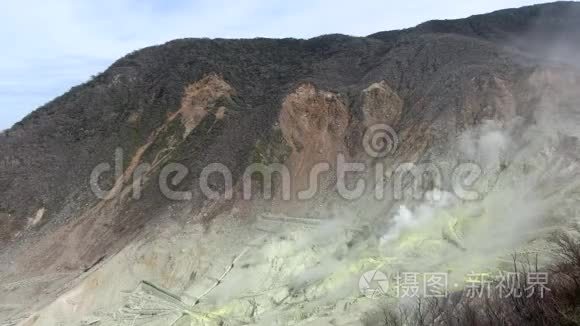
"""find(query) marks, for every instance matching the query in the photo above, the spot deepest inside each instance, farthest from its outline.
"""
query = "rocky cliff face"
(198, 102)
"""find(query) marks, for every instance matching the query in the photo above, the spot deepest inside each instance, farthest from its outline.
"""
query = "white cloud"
(49, 46)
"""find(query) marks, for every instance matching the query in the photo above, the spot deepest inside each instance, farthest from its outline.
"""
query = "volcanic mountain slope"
(236, 102)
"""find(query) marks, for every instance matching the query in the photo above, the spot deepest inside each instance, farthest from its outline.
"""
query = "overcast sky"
(50, 46)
